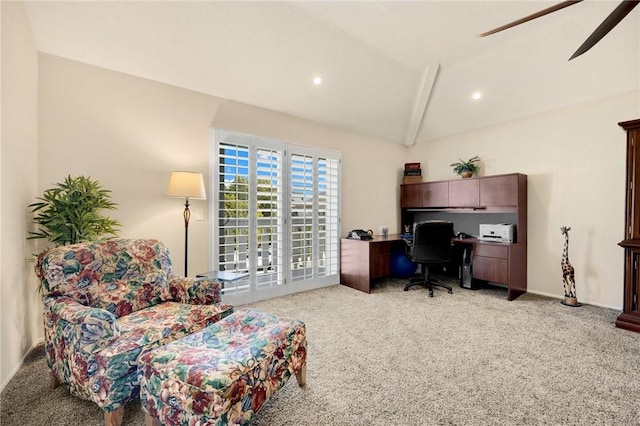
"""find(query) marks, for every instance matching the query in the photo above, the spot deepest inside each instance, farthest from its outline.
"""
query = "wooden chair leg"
(53, 381)
(301, 376)
(149, 420)
(114, 418)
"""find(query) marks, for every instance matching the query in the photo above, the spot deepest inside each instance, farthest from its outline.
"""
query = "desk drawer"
(488, 250)
(491, 269)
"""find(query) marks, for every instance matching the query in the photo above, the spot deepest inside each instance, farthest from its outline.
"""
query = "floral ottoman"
(223, 374)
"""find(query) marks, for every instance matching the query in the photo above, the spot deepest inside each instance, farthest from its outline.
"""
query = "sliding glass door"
(276, 215)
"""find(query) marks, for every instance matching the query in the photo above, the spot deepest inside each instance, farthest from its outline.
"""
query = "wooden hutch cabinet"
(630, 317)
(502, 263)
(464, 193)
(421, 195)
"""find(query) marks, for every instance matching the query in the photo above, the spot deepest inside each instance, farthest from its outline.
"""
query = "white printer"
(499, 232)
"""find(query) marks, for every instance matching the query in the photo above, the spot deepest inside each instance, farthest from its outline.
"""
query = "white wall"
(575, 162)
(130, 133)
(21, 312)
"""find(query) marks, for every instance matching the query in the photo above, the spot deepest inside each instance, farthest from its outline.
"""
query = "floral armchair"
(107, 303)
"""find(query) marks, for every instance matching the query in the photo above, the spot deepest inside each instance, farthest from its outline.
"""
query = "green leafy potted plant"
(70, 212)
(466, 169)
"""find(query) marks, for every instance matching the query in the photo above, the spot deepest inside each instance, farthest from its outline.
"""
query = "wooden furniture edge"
(628, 322)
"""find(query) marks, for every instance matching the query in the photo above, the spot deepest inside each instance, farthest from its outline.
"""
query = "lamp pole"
(187, 216)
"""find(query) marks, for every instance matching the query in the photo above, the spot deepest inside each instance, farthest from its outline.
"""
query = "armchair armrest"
(195, 291)
(93, 329)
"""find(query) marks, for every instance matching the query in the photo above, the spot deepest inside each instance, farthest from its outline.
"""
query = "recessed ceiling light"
(476, 96)
(317, 80)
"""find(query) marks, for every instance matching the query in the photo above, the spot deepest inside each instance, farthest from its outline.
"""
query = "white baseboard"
(15, 370)
(585, 302)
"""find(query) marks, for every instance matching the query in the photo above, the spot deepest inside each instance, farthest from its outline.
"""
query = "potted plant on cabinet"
(466, 169)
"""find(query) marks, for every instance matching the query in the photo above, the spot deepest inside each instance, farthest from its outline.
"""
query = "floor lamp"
(187, 185)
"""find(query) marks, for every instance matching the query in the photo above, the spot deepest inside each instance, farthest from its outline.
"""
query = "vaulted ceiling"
(400, 71)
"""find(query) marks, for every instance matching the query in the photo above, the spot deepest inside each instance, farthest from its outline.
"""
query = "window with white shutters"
(328, 216)
(303, 197)
(269, 218)
(276, 214)
(232, 200)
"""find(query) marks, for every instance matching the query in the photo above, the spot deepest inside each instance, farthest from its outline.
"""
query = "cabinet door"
(632, 287)
(633, 174)
(464, 193)
(411, 195)
(435, 194)
(499, 191)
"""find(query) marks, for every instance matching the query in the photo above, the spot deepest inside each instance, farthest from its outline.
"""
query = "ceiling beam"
(428, 81)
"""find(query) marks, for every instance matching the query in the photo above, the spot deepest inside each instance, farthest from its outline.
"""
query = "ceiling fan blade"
(607, 25)
(531, 17)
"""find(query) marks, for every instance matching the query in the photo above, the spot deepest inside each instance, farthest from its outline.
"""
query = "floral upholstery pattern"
(107, 303)
(223, 374)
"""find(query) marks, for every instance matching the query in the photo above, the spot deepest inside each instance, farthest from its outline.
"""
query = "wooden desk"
(362, 261)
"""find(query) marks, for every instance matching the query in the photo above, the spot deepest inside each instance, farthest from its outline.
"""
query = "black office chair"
(431, 246)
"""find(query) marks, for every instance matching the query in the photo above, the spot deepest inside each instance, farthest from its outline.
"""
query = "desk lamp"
(187, 185)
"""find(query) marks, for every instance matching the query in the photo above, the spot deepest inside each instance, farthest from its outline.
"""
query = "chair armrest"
(93, 329)
(195, 291)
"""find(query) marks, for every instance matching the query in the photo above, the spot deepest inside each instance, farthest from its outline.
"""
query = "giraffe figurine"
(568, 276)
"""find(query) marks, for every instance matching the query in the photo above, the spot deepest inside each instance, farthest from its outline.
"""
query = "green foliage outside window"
(236, 202)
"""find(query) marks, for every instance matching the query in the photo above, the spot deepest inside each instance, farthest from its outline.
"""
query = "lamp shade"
(187, 184)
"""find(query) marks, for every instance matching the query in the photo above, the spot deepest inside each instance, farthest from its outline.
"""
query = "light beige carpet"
(402, 358)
